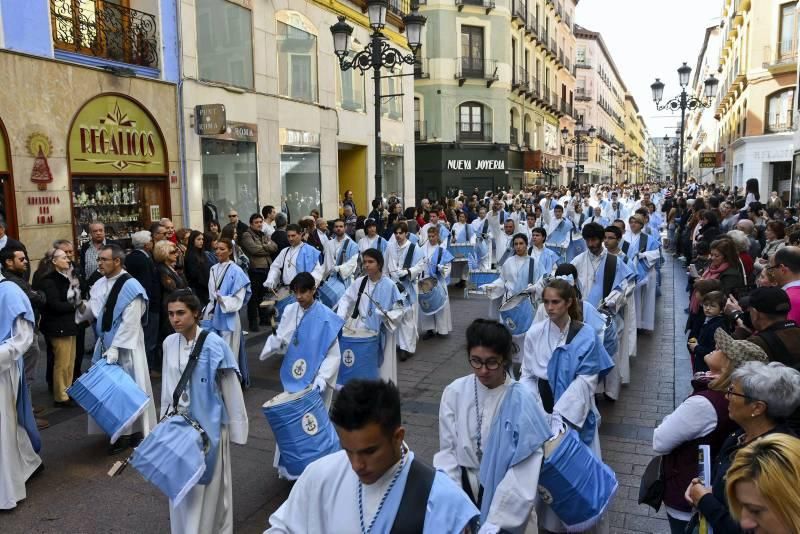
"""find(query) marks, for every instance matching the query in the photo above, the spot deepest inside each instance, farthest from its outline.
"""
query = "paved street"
(74, 494)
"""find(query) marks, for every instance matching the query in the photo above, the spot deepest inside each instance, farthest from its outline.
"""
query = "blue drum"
(461, 251)
(331, 291)
(479, 278)
(283, 297)
(110, 396)
(302, 429)
(361, 355)
(172, 457)
(517, 314)
(432, 296)
(574, 482)
(576, 246)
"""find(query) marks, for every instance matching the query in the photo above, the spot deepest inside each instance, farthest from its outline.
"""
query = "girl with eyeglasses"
(489, 418)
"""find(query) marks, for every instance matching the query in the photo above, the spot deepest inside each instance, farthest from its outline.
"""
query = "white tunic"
(333, 248)
(477, 226)
(440, 322)
(206, 509)
(394, 261)
(18, 460)
(228, 304)
(458, 429)
(368, 242)
(284, 268)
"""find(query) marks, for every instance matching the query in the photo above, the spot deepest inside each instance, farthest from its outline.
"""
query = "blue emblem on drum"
(511, 324)
(299, 368)
(348, 358)
(310, 425)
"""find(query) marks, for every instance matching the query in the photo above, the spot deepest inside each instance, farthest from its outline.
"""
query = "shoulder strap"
(642, 242)
(410, 518)
(344, 248)
(485, 226)
(409, 256)
(531, 265)
(358, 300)
(625, 247)
(439, 256)
(574, 328)
(187, 371)
(111, 302)
(609, 273)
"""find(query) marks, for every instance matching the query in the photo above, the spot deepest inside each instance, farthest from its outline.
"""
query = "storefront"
(118, 168)
(393, 182)
(8, 212)
(301, 179)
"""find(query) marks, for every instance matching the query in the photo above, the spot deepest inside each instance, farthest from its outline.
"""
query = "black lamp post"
(377, 54)
(579, 139)
(612, 149)
(683, 102)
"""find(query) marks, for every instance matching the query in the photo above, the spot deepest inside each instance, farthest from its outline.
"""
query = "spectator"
(784, 269)
(310, 234)
(350, 220)
(377, 214)
(751, 192)
(348, 201)
(169, 230)
(724, 266)
(197, 266)
(747, 226)
(62, 292)
(233, 220)
(261, 251)
(322, 230)
(209, 242)
(713, 305)
(90, 251)
(742, 245)
(788, 217)
(763, 485)
(158, 232)
(68, 248)
(165, 255)
(140, 265)
(775, 234)
(760, 397)
(215, 229)
(774, 201)
(279, 237)
(729, 216)
(182, 243)
(696, 318)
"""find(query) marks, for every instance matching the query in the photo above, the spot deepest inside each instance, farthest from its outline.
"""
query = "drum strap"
(642, 242)
(358, 300)
(409, 256)
(625, 247)
(609, 273)
(531, 269)
(187, 371)
(467, 487)
(342, 251)
(485, 227)
(111, 302)
(410, 518)
(546, 394)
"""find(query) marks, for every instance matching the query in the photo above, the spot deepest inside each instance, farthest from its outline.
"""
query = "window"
(471, 124)
(472, 51)
(225, 43)
(779, 111)
(392, 159)
(230, 175)
(297, 57)
(419, 131)
(788, 43)
(350, 93)
(391, 84)
(300, 171)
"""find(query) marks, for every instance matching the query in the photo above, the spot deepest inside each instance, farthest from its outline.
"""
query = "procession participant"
(532, 222)
(602, 276)
(491, 431)
(374, 303)
(341, 254)
(375, 484)
(484, 237)
(504, 244)
(640, 247)
(498, 215)
(597, 217)
(626, 316)
(371, 238)
(298, 257)
(559, 231)
(462, 232)
(544, 257)
(116, 304)
(438, 262)
(404, 263)
(213, 398)
(228, 291)
(18, 458)
(444, 233)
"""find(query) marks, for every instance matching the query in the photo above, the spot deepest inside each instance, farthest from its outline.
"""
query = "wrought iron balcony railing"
(420, 130)
(513, 136)
(474, 131)
(521, 79)
(421, 68)
(783, 54)
(476, 68)
(582, 94)
(780, 122)
(486, 4)
(105, 30)
(519, 11)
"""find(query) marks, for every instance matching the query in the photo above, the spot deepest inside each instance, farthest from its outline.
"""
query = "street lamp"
(683, 102)
(611, 150)
(376, 55)
(579, 139)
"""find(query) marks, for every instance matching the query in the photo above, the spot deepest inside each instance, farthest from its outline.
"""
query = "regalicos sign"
(113, 135)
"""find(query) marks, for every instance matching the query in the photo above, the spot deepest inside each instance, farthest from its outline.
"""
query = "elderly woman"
(775, 234)
(701, 419)
(760, 398)
(165, 255)
(742, 244)
(763, 485)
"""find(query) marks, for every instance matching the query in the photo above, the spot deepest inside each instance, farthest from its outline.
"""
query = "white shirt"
(268, 227)
(587, 265)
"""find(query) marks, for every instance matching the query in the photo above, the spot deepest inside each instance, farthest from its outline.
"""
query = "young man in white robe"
(120, 337)
(484, 239)
(498, 216)
(341, 254)
(375, 481)
(298, 257)
(438, 262)
(491, 432)
(404, 264)
(18, 458)
(644, 253)
(208, 506)
(546, 259)
(503, 249)
(371, 238)
(462, 233)
(434, 221)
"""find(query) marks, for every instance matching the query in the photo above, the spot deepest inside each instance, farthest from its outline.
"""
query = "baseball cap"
(772, 300)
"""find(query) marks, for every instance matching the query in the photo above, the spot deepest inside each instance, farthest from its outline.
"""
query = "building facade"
(88, 118)
(489, 103)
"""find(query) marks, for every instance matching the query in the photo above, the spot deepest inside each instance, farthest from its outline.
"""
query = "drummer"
(479, 416)
(217, 404)
(463, 233)
(404, 263)
(371, 238)
(298, 257)
(438, 261)
(559, 231)
(483, 240)
(434, 222)
(341, 254)
(544, 257)
(379, 309)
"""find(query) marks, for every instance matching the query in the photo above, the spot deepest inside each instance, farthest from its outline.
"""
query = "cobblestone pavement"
(74, 495)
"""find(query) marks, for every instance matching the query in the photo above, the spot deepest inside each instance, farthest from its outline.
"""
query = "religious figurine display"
(115, 195)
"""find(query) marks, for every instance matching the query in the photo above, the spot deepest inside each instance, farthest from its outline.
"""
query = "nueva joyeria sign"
(112, 134)
(480, 165)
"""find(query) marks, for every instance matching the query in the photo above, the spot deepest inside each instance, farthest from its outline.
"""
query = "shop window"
(350, 89)
(225, 43)
(230, 178)
(300, 179)
(297, 57)
(780, 108)
(393, 183)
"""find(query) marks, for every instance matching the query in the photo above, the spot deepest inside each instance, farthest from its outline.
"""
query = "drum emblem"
(546, 496)
(511, 324)
(348, 358)
(299, 368)
(310, 425)
(425, 304)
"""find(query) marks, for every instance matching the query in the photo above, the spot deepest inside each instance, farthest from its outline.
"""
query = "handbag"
(652, 485)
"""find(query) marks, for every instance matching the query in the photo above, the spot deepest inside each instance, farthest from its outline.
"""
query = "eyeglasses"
(773, 267)
(232, 216)
(730, 392)
(491, 365)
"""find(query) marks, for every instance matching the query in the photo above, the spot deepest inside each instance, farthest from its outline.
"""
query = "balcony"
(532, 27)
(519, 12)
(566, 108)
(782, 57)
(420, 130)
(476, 68)
(780, 122)
(542, 38)
(521, 80)
(534, 93)
(421, 71)
(513, 136)
(582, 95)
(561, 57)
(526, 139)
(105, 30)
(487, 5)
(583, 63)
(553, 48)
(474, 132)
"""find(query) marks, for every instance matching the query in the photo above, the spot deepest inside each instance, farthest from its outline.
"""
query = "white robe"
(460, 267)
(367, 242)
(129, 342)
(440, 322)
(502, 242)
(514, 498)
(486, 261)
(283, 269)
(645, 293)
(395, 258)
(227, 304)
(18, 460)
(206, 509)
(333, 248)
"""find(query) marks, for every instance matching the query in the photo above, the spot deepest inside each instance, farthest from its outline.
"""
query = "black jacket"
(705, 341)
(196, 269)
(58, 315)
(279, 236)
(140, 265)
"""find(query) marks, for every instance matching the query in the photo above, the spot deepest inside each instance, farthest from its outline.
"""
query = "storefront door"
(8, 212)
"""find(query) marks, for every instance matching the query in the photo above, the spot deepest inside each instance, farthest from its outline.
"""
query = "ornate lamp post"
(376, 55)
(683, 102)
(582, 137)
(611, 150)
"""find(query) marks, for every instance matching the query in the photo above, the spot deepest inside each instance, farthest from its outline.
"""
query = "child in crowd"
(696, 319)
(713, 305)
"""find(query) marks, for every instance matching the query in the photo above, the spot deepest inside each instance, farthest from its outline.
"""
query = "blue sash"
(308, 347)
(130, 290)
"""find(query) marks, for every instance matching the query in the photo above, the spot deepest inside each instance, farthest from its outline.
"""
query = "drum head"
(282, 398)
(514, 301)
(426, 285)
(282, 292)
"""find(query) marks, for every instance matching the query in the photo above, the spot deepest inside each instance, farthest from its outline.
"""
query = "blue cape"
(318, 329)
(130, 290)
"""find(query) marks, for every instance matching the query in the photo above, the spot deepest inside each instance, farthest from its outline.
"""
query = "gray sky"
(650, 39)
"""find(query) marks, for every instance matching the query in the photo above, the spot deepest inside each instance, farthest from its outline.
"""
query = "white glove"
(320, 385)
(336, 268)
(489, 528)
(111, 355)
(556, 424)
(269, 285)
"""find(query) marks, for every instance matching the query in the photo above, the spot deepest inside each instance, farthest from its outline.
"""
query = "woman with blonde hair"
(763, 485)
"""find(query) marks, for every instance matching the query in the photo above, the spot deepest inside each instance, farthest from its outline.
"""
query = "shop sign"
(709, 160)
(479, 165)
(113, 135)
(238, 131)
(209, 119)
(289, 137)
